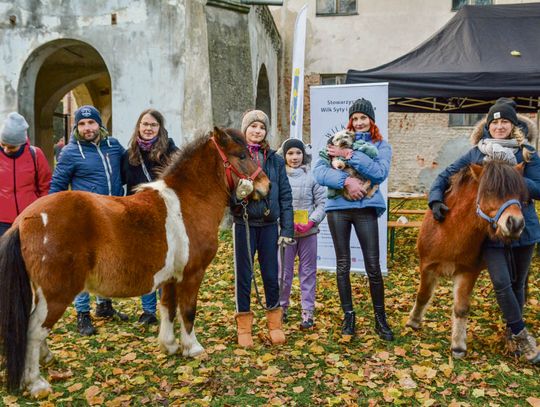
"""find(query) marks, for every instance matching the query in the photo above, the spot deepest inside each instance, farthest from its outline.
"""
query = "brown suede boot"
(244, 321)
(273, 319)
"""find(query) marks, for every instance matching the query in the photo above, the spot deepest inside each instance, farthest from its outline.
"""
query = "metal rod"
(262, 2)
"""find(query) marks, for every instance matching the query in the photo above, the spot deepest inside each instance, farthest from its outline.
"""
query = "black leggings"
(366, 227)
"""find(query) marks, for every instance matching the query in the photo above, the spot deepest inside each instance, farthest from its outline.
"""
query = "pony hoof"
(413, 324)
(194, 351)
(169, 349)
(459, 353)
(40, 389)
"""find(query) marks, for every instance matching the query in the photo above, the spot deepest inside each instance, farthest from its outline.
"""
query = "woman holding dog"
(504, 135)
(150, 149)
(360, 212)
(269, 225)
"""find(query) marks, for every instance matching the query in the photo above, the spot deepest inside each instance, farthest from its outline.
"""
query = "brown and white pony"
(163, 236)
(453, 248)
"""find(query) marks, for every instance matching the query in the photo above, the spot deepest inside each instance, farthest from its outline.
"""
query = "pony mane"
(463, 176)
(500, 180)
(185, 153)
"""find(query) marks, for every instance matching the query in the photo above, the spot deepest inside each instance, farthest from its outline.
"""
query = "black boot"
(84, 324)
(106, 310)
(381, 326)
(349, 322)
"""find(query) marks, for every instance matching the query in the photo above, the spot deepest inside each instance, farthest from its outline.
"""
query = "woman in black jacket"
(270, 223)
(150, 149)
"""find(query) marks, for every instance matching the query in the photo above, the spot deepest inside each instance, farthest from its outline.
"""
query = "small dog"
(346, 139)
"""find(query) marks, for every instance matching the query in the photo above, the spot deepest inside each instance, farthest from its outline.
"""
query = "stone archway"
(50, 72)
(263, 100)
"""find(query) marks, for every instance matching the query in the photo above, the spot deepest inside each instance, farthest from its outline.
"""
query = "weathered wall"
(230, 70)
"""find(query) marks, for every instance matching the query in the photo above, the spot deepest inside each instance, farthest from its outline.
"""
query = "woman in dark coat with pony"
(150, 149)
(504, 135)
(269, 224)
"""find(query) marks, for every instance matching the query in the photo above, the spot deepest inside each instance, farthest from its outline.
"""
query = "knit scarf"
(499, 149)
(254, 149)
(146, 145)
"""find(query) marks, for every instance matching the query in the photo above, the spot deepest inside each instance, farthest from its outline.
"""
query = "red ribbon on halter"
(229, 167)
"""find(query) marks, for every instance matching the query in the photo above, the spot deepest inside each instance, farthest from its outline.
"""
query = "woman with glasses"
(24, 172)
(149, 150)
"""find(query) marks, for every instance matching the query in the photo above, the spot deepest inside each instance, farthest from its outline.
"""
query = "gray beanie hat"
(255, 116)
(362, 106)
(14, 130)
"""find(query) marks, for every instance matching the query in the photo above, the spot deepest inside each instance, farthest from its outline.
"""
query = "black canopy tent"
(481, 54)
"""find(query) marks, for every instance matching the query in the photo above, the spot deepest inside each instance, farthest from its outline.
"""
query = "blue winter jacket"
(278, 204)
(531, 233)
(90, 167)
(375, 169)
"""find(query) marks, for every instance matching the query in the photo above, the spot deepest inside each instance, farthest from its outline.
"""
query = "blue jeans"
(263, 240)
(82, 302)
(149, 302)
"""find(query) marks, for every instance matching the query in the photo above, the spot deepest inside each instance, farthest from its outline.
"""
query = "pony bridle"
(229, 168)
(493, 220)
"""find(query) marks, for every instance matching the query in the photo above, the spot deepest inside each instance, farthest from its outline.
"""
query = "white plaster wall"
(144, 52)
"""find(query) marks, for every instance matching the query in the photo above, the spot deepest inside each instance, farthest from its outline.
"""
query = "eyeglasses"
(152, 125)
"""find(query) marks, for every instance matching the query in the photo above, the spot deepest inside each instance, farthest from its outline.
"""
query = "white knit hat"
(14, 130)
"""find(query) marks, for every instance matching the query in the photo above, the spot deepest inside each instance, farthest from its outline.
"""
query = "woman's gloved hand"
(301, 228)
(340, 152)
(439, 210)
(285, 241)
(355, 188)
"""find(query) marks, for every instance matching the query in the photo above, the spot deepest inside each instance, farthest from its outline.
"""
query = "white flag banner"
(297, 82)
(330, 114)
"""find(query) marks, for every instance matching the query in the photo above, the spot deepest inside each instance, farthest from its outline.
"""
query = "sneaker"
(106, 310)
(307, 320)
(526, 344)
(511, 344)
(307, 324)
(147, 318)
(84, 324)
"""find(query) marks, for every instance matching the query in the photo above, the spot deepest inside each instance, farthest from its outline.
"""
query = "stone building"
(364, 34)
(199, 62)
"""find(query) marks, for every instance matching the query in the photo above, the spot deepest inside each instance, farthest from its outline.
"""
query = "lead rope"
(281, 258)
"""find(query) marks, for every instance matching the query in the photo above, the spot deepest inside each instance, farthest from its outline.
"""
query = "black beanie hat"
(293, 142)
(362, 106)
(503, 108)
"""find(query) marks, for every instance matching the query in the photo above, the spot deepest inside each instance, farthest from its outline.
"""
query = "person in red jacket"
(25, 174)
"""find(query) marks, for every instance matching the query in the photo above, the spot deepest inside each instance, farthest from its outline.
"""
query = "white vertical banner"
(330, 114)
(297, 80)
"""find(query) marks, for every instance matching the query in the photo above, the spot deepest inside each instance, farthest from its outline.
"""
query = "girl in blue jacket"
(504, 135)
(361, 213)
(270, 223)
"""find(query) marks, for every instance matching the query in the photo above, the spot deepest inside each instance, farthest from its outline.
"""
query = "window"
(457, 4)
(333, 79)
(464, 119)
(336, 7)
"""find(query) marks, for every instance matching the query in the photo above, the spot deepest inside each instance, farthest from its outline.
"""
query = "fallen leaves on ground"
(123, 366)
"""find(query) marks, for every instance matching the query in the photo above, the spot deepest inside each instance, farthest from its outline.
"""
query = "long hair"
(159, 149)
(373, 129)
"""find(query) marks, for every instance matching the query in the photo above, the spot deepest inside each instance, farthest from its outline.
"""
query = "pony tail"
(518, 135)
(15, 307)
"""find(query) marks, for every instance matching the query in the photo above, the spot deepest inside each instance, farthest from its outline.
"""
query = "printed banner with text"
(330, 114)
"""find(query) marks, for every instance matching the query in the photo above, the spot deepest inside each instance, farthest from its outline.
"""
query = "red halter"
(229, 167)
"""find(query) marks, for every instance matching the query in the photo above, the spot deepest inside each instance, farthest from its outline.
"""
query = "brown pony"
(453, 248)
(163, 236)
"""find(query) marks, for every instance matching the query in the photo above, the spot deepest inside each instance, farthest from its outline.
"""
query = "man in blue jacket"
(90, 162)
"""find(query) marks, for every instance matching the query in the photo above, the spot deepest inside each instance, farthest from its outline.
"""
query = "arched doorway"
(49, 73)
(262, 102)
